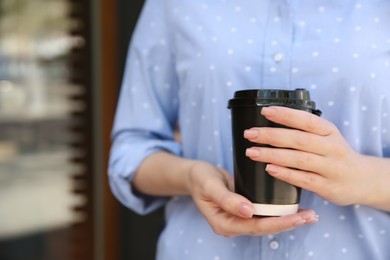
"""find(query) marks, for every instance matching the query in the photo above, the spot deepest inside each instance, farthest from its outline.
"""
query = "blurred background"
(61, 63)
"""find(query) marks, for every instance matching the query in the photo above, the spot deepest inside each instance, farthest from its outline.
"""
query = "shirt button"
(274, 245)
(278, 57)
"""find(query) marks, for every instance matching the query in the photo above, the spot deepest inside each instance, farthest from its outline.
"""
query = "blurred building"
(61, 63)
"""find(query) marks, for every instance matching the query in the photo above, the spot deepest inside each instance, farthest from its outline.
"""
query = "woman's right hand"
(230, 214)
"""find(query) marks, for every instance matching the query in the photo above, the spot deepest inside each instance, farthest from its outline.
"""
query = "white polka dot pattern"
(185, 62)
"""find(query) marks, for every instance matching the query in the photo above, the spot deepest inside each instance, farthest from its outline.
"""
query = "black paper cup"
(270, 196)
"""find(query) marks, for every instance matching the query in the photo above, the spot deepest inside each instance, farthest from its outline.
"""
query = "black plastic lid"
(298, 98)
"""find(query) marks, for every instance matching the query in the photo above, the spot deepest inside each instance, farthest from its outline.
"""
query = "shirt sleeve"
(385, 124)
(146, 113)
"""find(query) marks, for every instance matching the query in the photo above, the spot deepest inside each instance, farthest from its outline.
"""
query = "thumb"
(231, 202)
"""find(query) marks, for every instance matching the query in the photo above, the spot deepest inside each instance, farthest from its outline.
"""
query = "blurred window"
(36, 166)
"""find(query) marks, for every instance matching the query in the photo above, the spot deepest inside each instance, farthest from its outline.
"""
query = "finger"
(274, 225)
(267, 225)
(289, 138)
(306, 180)
(288, 158)
(229, 178)
(309, 216)
(228, 201)
(298, 119)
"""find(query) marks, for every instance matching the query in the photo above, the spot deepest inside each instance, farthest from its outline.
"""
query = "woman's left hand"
(313, 155)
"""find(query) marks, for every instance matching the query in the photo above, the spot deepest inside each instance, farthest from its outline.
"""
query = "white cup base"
(274, 210)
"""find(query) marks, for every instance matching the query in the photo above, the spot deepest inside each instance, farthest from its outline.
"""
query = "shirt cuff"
(124, 162)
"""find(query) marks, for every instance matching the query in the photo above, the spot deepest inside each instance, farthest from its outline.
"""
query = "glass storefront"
(61, 62)
(35, 118)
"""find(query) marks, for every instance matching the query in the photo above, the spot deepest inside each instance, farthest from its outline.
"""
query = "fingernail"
(252, 152)
(246, 210)
(268, 111)
(312, 219)
(270, 168)
(251, 133)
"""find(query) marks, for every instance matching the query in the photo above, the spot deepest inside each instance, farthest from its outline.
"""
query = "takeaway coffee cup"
(270, 196)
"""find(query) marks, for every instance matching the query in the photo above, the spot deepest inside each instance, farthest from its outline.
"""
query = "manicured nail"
(272, 169)
(246, 210)
(312, 219)
(251, 133)
(252, 152)
(268, 111)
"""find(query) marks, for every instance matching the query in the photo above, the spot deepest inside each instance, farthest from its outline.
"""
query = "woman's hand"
(313, 156)
(230, 214)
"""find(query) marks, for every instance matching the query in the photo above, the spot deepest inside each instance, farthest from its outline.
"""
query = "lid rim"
(252, 97)
(299, 93)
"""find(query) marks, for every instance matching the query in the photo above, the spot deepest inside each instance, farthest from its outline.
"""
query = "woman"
(186, 60)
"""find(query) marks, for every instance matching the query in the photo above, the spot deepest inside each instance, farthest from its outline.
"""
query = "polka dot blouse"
(186, 59)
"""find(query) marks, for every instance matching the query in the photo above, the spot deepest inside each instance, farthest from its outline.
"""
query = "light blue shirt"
(186, 59)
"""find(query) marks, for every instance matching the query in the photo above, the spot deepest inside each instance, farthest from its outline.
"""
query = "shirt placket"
(277, 46)
(275, 247)
(276, 73)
